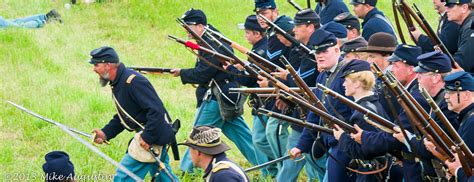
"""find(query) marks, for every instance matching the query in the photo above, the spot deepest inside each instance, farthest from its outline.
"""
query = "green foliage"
(46, 71)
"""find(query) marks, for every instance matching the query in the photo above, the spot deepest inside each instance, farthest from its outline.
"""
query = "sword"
(75, 136)
(91, 136)
(267, 163)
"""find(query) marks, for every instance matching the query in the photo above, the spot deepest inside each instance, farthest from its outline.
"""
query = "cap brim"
(375, 49)
(222, 147)
(419, 69)
(394, 58)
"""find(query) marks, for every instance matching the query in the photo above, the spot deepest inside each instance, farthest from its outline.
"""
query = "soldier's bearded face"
(102, 69)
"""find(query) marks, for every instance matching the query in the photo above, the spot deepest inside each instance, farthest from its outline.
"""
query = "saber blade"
(75, 136)
(267, 163)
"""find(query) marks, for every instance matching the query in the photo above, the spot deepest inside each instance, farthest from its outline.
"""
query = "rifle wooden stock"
(384, 122)
(222, 58)
(281, 85)
(255, 58)
(288, 37)
(196, 37)
(263, 90)
(150, 70)
(458, 142)
(300, 82)
(326, 117)
(295, 121)
(432, 34)
(296, 6)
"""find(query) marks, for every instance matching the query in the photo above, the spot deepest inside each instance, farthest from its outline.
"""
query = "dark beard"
(103, 81)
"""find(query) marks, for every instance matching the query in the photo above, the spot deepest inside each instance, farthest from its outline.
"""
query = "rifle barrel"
(295, 121)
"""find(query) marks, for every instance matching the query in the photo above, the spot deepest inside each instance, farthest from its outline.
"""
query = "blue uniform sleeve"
(202, 73)
(157, 129)
(420, 149)
(307, 136)
(243, 80)
(351, 147)
(113, 128)
(374, 143)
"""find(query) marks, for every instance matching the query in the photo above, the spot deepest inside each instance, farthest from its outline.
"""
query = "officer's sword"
(267, 163)
(91, 136)
(87, 144)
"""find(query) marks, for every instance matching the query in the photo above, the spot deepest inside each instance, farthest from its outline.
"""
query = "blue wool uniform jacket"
(227, 175)
(203, 73)
(330, 10)
(448, 33)
(276, 49)
(139, 99)
(348, 145)
(464, 56)
(375, 21)
(466, 131)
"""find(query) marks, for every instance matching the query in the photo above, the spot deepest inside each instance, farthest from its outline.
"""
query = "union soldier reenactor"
(460, 99)
(255, 35)
(374, 20)
(359, 83)
(139, 109)
(207, 151)
(217, 107)
(460, 12)
(328, 9)
(328, 59)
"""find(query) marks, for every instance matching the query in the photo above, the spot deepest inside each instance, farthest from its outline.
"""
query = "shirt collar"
(119, 74)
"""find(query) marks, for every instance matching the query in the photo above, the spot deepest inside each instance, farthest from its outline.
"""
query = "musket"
(301, 84)
(150, 70)
(267, 163)
(395, 6)
(295, 121)
(290, 38)
(73, 134)
(298, 7)
(222, 58)
(268, 90)
(196, 37)
(433, 36)
(50, 121)
(254, 57)
(417, 115)
(384, 122)
(267, 95)
(405, 14)
(458, 141)
(326, 117)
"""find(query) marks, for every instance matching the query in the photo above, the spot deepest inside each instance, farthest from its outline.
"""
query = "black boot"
(53, 15)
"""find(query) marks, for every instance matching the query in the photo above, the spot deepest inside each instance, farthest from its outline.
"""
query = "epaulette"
(220, 166)
(130, 78)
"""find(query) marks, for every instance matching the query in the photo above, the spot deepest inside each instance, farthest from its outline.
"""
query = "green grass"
(46, 71)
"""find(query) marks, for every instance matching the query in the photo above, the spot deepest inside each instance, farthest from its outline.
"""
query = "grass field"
(46, 71)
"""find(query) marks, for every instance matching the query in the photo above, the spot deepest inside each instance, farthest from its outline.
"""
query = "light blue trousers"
(236, 130)
(142, 169)
(291, 168)
(262, 147)
(277, 136)
(36, 21)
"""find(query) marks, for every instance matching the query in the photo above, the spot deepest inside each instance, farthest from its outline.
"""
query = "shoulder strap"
(226, 165)
(121, 111)
(383, 18)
